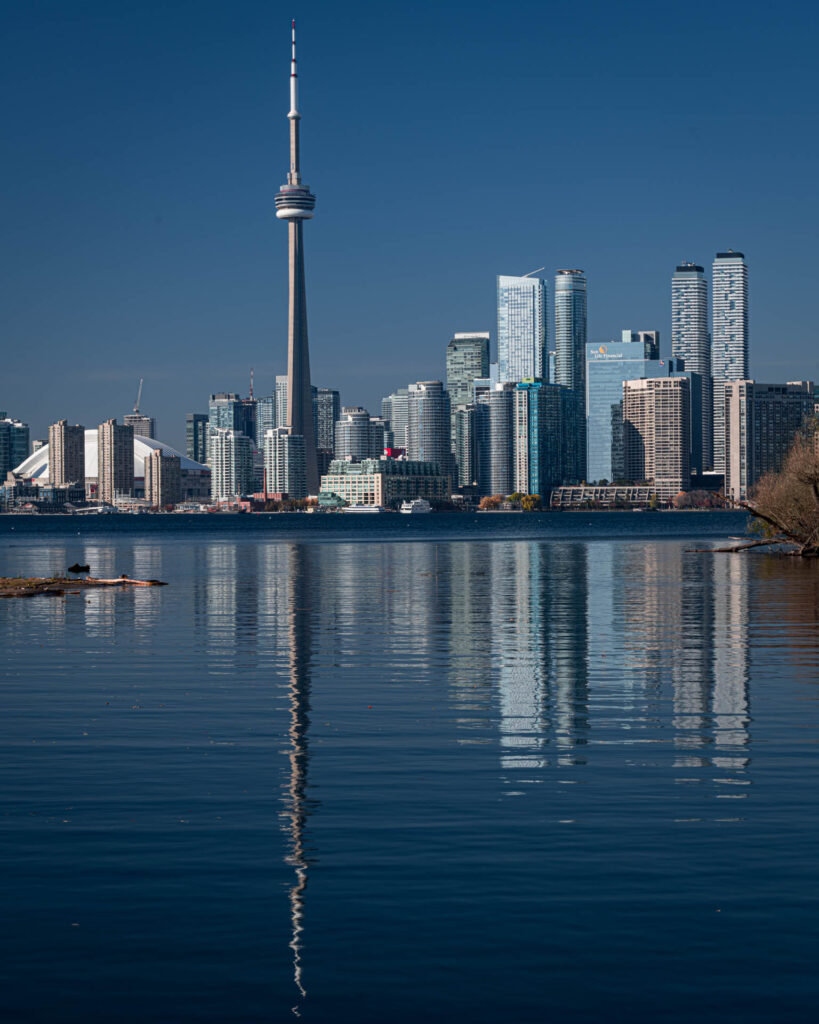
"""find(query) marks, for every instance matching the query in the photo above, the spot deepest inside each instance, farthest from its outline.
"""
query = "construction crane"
(139, 395)
(534, 271)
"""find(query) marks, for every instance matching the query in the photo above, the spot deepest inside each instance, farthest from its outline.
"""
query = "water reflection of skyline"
(553, 647)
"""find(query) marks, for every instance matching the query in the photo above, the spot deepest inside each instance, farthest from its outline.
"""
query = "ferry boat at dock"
(419, 506)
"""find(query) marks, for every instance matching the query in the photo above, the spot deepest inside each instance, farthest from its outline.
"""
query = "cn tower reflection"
(297, 807)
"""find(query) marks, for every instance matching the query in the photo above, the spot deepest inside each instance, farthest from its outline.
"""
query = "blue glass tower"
(607, 366)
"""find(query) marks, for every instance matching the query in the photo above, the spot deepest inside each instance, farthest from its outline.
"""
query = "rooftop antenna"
(139, 395)
(534, 271)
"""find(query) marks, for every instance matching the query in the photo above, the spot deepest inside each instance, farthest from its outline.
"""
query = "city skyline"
(161, 303)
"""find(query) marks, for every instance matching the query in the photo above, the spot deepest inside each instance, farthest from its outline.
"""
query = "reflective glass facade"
(548, 427)
(607, 366)
(522, 328)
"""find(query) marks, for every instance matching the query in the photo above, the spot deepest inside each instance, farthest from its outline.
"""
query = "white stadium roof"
(36, 465)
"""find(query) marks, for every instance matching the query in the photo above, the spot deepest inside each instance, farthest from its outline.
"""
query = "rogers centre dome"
(35, 467)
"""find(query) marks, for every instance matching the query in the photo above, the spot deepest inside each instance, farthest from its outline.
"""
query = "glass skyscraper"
(607, 367)
(196, 436)
(548, 427)
(729, 341)
(522, 328)
(691, 342)
(570, 329)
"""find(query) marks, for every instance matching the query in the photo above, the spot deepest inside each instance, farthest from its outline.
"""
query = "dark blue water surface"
(512, 769)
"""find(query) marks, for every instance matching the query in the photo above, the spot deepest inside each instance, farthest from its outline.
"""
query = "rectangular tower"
(657, 433)
(115, 460)
(66, 454)
(729, 343)
(522, 328)
(691, 342)
(761, 423)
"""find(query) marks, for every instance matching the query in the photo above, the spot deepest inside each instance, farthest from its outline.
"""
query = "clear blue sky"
(446, 142)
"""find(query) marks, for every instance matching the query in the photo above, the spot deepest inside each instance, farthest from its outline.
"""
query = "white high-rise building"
(281, 400)
(231, 463)
(729, 337)
(522, 328)
(691, 342)
(284, 463)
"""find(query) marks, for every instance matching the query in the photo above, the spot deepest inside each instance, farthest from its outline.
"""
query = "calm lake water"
(447, 768)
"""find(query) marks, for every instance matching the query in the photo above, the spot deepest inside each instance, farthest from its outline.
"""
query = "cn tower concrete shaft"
(295, 203)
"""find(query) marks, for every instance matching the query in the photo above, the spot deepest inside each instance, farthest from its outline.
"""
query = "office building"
(14, 444)
(657, 433)
(548, 427)
(729, 337)
(38, 443)
(691, 342)
(650, 339)
(761, 423)
(522, 327)
(196, 436)
(501, 440)
(328, 412)
(163, 479)
(231, 464)
(467, 359)
(429, 425)
(607, 367)
(142, 425)
(467, 445)
(284, 463)
(115, 460)
(570, 330)
(358, 435)
(294, 204)
(385, 482)
(66, 454)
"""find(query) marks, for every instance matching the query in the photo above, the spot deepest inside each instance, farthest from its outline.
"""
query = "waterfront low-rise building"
(385, 482)
(585, 496)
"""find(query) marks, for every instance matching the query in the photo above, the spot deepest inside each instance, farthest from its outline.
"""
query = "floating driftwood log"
(22, 586)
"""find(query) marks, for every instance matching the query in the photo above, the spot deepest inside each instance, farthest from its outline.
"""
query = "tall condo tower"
(522, 327)
(690, 341)
(729, 341)
(570, 329)
(295, 203)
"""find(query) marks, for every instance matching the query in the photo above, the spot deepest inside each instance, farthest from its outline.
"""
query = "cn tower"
(294, 203)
